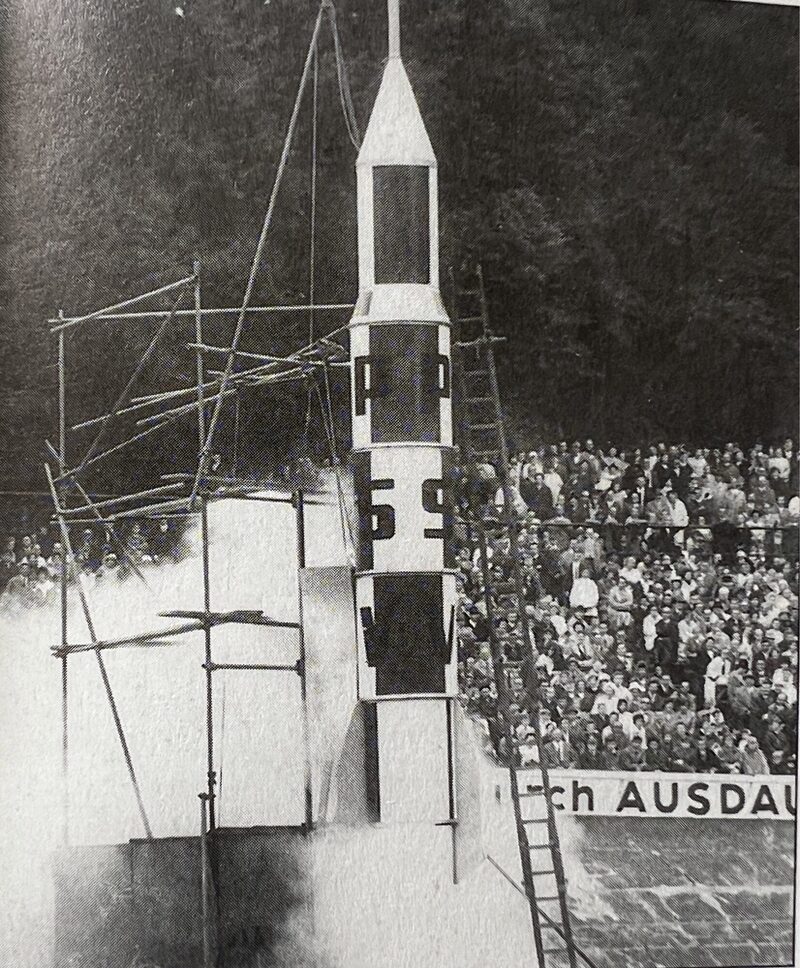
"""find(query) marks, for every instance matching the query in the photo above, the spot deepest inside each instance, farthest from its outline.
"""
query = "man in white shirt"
(717, 672)
(679, 516)
(650, 628)
(783, 680)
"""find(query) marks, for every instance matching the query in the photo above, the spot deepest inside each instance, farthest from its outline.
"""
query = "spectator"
(752, 760)
(632, 757)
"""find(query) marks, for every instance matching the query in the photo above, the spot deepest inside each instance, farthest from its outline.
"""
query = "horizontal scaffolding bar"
(104, 315)
(170, 516)
(45, 494)
(200, 622)
(68, 512)
(143, 639)
(152, 509)
(72, 321)
(217, 666)
(295, 359)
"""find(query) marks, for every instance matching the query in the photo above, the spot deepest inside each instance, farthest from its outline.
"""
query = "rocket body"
(402, 459)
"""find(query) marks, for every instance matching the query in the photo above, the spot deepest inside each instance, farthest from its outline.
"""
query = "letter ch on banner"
(712, 796)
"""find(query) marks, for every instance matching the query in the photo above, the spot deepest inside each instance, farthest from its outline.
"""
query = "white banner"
(590, 793)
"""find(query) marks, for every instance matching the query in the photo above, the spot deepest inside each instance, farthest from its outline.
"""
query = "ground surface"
(687, 893)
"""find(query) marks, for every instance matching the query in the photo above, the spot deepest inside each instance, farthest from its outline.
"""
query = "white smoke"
(375, 890)
(160, 694)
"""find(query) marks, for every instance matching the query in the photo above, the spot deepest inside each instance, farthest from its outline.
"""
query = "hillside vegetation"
(626, 170)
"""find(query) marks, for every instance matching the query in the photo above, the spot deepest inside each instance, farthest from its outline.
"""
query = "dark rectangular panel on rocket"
(401, 220)
(407, 642)
(407, 385)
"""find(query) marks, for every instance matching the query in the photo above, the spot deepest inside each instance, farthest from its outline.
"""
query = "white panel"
(325, 540)
(259, 748)
(366, 252)
(446, 403)
(409, 549)
(254, 644)
(331, 676)
(413, 761)
(366, 675)
(359, 346)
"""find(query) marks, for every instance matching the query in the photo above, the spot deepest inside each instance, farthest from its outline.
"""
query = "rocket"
(402, 461)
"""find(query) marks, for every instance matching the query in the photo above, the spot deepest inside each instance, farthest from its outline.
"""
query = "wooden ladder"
(483, 441)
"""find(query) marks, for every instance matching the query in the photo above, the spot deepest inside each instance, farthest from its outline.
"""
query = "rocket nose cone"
(396, 134)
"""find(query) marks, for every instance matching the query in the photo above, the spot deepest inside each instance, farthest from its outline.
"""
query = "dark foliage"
(626, 170)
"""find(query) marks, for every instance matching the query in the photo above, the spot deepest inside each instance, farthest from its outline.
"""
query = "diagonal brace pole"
(205, 453)
(100, 662)
(126, 393)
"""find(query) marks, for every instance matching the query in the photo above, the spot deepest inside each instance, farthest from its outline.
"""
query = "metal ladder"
(483, 440)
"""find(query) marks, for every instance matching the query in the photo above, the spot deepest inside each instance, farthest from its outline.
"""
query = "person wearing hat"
(18, 591)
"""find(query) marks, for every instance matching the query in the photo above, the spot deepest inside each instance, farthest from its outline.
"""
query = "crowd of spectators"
(32, 556)
(661, 596)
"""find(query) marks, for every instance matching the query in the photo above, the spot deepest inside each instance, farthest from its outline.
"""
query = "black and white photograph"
(399, 483)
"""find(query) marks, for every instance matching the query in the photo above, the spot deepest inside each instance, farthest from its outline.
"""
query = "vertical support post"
(62, 466)
(451, 784)
(198, 336)
(211, 775)
(208, 953)
(301, 563)
(62, 399)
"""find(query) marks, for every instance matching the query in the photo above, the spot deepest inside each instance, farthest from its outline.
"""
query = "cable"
(345, 97)
(313, 230)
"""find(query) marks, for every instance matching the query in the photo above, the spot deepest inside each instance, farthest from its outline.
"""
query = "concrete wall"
(143, 900)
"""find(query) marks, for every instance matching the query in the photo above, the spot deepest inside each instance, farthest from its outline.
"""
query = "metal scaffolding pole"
(100, 662)
(209, 668)
(62, 466)
(210, 311)
(301, 563)
(205, 885)
(198, 335)
(100, 314)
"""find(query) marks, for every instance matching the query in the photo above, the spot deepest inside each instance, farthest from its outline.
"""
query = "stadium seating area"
(661, 593)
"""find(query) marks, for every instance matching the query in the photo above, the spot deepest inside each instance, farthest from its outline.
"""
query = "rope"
(313, 231)
(345, 97)
(205, 453)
